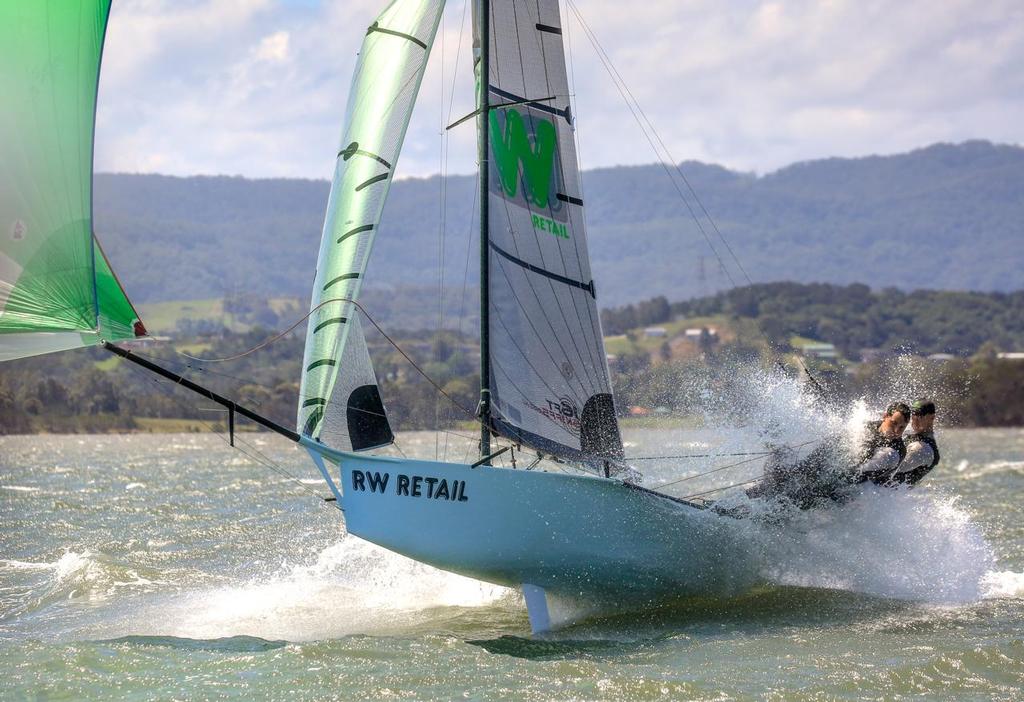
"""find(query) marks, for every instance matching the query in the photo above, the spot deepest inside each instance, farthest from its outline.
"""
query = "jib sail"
(339, 402)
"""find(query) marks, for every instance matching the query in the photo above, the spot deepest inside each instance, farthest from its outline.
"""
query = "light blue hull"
(573, 536)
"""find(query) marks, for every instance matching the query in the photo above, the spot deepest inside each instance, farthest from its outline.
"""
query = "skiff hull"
(576, 537)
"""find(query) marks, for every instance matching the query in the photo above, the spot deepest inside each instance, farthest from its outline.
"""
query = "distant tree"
(653, 311)
(96, 394)
(996, 392)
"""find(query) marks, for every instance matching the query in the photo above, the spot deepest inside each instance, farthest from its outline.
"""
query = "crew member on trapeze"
(829, 471)
(922, 450)
(883, 449)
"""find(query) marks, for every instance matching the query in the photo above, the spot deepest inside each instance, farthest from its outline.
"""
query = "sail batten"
(340, 403)
(549, 383)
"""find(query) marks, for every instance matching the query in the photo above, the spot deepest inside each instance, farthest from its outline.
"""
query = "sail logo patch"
(562, 411)
(524, 170)
(18, 230)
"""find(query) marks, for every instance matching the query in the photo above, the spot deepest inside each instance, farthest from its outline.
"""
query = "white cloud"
(258, 87)
(273, 48)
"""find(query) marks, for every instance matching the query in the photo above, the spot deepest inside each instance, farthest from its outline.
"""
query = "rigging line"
(461, 436)
(253, 453)
(446, 144)
(458, 54)
(562, 465)
(465, 276)
(442, 187)
(610, 65)
(376, 326)
(709, 472)
(265, 343)
(184, 366)
(573, 102)
(413, 363)
(398, 448)
(465, 456)
(257, 456)
(720, 489)
(733, 465)
(604, 62)
(698, 455)
(620, 81)
(668, 153)
(624, 90)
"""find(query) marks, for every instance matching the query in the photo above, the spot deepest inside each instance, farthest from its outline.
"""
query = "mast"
(484, 167)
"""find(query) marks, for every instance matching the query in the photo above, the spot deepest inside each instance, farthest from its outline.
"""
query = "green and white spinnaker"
(57, 290)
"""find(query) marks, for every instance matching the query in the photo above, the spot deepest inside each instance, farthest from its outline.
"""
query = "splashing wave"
(352, 587)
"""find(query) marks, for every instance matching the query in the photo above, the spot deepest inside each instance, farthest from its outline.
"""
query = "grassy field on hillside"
(165, 317)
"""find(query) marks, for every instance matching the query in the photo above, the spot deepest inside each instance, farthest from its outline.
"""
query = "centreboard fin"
(537, 608)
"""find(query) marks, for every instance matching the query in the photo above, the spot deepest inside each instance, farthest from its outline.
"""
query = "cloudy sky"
(258, 87)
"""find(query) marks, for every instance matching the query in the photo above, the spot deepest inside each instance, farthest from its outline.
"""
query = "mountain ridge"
(957, 209)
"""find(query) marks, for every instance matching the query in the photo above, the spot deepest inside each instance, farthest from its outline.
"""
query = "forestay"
(550, 387)
(57, 290)
(339, 402)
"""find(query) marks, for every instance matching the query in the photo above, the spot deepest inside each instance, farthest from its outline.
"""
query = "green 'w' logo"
(512, 147)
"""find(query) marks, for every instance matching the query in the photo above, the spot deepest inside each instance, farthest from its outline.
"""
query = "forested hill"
(852, 317)
(947, 216)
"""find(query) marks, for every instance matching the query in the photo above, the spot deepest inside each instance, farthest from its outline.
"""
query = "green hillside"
(947, 217)
(851, 317)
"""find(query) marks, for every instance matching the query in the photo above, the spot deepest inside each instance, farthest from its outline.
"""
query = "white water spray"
(918, 544)
(351, 587)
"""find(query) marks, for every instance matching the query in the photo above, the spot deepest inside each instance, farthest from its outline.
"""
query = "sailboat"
(591, 537)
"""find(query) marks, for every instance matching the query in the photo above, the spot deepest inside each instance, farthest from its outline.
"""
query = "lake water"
(173, 567)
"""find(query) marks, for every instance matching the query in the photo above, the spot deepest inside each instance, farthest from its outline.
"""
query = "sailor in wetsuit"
(922, 451)
(883, 449)
(829, 471)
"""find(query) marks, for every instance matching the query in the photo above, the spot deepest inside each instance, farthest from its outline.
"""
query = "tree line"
(852, 317)
(92, 391)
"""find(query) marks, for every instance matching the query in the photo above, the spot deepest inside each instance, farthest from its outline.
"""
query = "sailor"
(883, 449)
(820, 478)
(922, 451)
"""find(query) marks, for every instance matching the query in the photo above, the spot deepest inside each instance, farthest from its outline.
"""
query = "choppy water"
(171, 567)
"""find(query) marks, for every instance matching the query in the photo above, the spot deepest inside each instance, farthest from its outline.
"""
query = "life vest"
(876, 440)
(872, 444)
(912, 476)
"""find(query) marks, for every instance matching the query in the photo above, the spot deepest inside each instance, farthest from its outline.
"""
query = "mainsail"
(549, 382)
(57, 290)
(339, 402)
